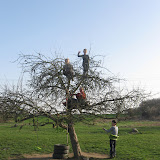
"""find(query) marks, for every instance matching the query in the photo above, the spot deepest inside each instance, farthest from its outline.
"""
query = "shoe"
(112, 157)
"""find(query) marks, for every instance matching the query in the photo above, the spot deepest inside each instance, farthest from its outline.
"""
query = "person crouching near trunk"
(113, 138)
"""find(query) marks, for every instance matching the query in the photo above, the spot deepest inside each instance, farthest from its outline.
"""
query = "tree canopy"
(48, 89)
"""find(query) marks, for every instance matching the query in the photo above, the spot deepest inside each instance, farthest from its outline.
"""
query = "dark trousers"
(112, 148)
(85, 67)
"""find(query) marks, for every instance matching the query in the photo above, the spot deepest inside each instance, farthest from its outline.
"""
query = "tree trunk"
(74, 141)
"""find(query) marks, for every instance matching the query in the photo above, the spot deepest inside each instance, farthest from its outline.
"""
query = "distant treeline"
(149, 109)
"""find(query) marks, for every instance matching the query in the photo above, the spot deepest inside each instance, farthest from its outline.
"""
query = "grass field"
(16, 142)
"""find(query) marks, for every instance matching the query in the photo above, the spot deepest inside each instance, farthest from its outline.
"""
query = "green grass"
(15, 142)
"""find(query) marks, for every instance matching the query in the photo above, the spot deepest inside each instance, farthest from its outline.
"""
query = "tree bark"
(74, 141)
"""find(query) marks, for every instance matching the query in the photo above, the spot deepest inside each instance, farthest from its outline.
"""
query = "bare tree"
(49, 88)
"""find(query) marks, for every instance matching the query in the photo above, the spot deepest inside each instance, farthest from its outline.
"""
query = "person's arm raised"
(79, 53)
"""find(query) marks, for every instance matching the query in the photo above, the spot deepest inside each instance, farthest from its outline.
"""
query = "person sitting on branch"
(85, 63)
(71, 100)
(81, 95)
(68, 70)
(76, 101)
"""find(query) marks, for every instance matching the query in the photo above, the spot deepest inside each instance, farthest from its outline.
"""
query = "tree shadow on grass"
(46, 158)
(50, 158)
(92, 156)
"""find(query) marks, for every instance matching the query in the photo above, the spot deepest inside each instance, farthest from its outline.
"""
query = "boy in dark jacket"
(85, 63)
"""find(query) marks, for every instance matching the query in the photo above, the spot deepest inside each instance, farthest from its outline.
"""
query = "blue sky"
(127, 32)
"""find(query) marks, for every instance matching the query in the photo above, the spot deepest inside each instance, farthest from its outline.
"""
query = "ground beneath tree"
(92, 156)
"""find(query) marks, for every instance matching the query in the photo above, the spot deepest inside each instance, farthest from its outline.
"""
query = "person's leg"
(114, 148)
(110, 148)
(74, 103)
(85, 68)
(69, 104)
(69, 76)
(72, 75)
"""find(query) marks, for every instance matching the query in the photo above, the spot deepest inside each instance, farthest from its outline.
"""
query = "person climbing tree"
(85, 63)
(68, 69)
(71, 101)
(78, 102)
(81, 97)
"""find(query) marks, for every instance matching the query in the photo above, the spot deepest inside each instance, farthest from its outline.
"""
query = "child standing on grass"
(113, 138)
